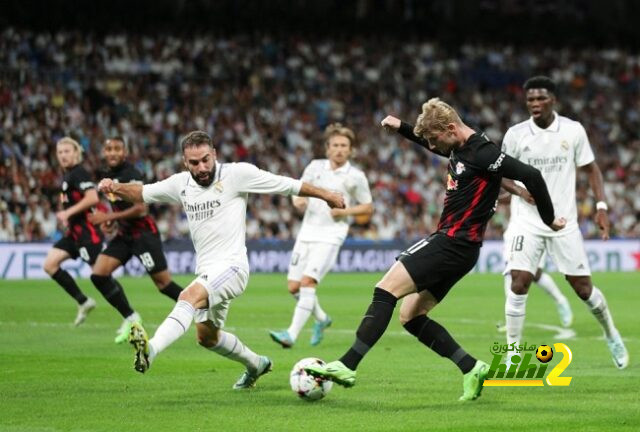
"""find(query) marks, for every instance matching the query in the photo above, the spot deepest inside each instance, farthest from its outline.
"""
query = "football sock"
(549, 286)
(437, 338)
(514, 311)
(507, 284)
(598, 306)
(302, 312)
(112, 291)
(371, 328)
(318, 313)
(172, 290)
(172, 328)
(231, 347)
(64, 279)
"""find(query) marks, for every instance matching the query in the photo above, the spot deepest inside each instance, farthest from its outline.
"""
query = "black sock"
(65, 280)
(172, 290)
(436, 337)
(371, 328)
(112, 291)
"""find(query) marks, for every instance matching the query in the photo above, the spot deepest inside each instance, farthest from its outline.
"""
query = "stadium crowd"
(267, 100)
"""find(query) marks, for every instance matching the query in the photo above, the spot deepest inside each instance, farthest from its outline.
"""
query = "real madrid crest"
(218, 186)
(565, 145)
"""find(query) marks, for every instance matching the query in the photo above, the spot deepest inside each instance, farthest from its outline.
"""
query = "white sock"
(318, 313)
(231, 347)
(514, 310)
(302, 312)
(549, 286)
(507, 285)
(598, 306)
(174, 326)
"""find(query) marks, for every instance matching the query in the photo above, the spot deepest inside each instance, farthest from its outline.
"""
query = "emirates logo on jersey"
(451, 183)
(460, 168)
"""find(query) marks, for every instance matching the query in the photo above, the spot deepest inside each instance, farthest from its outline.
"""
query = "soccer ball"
(544, 353)
(306, 386)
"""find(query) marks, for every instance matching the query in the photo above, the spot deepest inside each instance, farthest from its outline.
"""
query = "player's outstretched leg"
(597, 304)
(372, 327)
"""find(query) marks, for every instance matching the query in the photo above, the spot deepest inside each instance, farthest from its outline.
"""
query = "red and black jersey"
(127, 173)
(75, 183)
(474, 177)
(472, 189)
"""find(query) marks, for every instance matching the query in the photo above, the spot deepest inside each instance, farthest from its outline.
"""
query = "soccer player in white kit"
(323, 230)
(556, 145)
(540, 278)
(214, 197)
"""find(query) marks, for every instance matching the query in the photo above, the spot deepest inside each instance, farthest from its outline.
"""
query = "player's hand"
(558, 224)
(63, 217)
(98, 218)
(602, 219)
(335, 200)
(106, 185)
(391, 123)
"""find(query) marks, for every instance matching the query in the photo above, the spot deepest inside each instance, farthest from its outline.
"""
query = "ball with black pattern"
(544, 353)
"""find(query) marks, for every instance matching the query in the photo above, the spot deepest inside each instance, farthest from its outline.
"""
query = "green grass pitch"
(54, 377)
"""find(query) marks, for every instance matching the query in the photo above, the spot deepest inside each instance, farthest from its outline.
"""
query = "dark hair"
(118, 138)
(196, 139)
(540, 82)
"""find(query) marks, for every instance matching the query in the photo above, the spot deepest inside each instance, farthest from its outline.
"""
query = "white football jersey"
(318, 225)
(217, 213)
(556, 151)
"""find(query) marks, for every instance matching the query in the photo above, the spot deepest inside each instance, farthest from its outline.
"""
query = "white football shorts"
(223, 283)
(525, 250)
(313, 259)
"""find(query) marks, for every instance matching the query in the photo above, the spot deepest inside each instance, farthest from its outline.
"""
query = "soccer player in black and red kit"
(82, 239)
(426, 271)
(137, 235)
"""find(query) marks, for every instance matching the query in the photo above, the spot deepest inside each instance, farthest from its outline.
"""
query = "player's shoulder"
(479, 140)
(519, 129)
(79, 174)
(129, 172)
(355, 171)
(317, 163)
(567, 123)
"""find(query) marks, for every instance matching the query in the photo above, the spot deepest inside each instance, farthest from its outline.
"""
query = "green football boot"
(335, 371)
(473, 380)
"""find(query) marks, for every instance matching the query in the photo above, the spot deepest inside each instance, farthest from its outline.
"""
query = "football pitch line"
(560, 333)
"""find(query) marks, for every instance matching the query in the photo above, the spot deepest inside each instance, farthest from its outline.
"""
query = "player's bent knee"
(208, 339)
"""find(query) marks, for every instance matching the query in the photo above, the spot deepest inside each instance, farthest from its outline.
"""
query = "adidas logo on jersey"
(526, 149)
(581, 267)
(183, 193)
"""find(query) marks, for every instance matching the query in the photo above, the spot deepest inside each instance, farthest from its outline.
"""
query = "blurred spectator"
(266, 100)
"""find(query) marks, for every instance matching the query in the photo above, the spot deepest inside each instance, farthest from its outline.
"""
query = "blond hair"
(337, 129)
(435, 117)
(76, 146)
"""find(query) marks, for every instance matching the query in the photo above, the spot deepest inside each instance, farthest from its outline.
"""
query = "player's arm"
(392, 123)
(535, 184)
(511, 187)
(356, 210)
(251, 179)
(333, 199)
(597, 186)
(89, 199)
(131, 192)
(135, 211)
